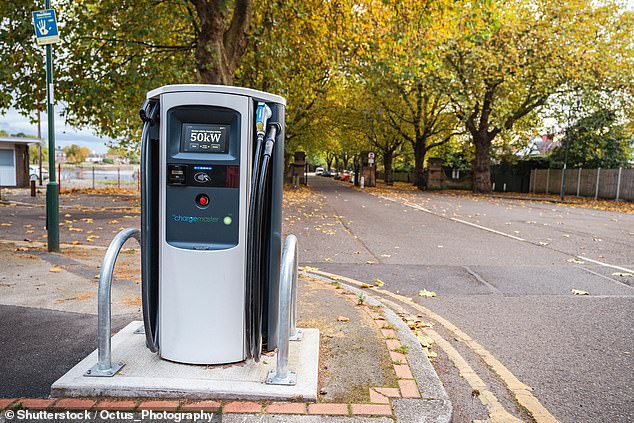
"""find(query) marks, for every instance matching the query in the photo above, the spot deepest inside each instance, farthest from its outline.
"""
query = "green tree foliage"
(433, 69)
(76, 154)
(22, 82)
(391, 51)
(34, 155)
(502, 60)
(597, 140)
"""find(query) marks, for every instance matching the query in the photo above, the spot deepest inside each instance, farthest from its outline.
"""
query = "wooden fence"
(613, 184)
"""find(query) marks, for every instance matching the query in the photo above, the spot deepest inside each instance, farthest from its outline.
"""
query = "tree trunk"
(420, 151)
(482, 163)
(220, 44)
(387, 165)
(329, 162)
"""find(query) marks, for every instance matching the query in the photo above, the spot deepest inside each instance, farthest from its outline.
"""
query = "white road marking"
(604, 277)
(624, 269)
(484, 228)
(423, 209)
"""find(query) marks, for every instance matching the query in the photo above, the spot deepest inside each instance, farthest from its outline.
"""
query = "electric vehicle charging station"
(211, 221)
(217, 286)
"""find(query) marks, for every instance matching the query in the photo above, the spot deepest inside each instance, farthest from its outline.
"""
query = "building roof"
(21, 140)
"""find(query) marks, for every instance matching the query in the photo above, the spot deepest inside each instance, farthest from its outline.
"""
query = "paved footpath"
(503, 271)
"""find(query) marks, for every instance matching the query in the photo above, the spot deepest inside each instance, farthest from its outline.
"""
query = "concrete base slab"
(146, 375)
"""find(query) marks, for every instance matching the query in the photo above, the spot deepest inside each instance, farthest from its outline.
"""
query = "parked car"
(34, 172)
(345, 176)
(319, 171)
(328, 174)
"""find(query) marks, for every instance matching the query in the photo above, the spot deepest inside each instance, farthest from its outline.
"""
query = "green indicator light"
(227, 220)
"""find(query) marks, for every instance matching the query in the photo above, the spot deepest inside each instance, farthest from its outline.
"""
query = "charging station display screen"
(205, 138)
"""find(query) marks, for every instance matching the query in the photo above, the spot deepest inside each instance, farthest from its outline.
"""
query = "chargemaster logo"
(194, 219)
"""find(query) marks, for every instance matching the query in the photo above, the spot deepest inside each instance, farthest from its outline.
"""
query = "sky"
(13, 122)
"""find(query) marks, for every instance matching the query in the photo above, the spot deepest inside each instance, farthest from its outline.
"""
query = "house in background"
(539, 146)
(60, 156)
(14, 161)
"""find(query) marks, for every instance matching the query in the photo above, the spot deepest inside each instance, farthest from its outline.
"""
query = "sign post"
(46, 33)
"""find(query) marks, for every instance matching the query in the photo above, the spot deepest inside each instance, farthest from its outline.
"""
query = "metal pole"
(52, 188)
(288, 274)
(547, 179)
(578, 181)
(104, 367)
(596, 192)
(39, 145)
(618, 185)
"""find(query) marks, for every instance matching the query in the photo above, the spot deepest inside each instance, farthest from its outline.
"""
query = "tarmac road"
(511, 292)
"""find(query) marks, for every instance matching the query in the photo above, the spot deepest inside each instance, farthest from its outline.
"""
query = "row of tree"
(391, 75)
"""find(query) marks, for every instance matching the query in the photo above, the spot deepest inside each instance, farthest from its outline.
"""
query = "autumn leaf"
(425, 293)
(55, 269)
(343, 319)
(622, 274)
(371, 262)
(378, 282)
(365, 285)
(579, 292)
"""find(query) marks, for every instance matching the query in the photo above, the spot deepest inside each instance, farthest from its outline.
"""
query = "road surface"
(503, 271)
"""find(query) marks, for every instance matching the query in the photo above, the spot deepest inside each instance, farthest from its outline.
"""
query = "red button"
(202, 200)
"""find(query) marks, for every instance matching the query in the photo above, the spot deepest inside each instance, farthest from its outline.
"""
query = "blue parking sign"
(45, 25)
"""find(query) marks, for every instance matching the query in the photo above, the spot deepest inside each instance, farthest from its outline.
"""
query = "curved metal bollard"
(288, 309)
(104, 366)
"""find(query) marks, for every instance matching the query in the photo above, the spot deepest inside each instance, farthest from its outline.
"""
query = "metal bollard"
(286, 323)
(104, 366)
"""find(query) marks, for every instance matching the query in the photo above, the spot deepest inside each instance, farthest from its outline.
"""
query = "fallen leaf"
(623, 275)
(371, 262)
(378, 282)
(328, 259)
(310, 269)
(55, 269)
(343, 319)
(113, 222)
(76, 243)
(365, 285)
(357, 252)
(5, 224)
(426, 293)
(543, 243)
(576, 261)
(579, 292)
